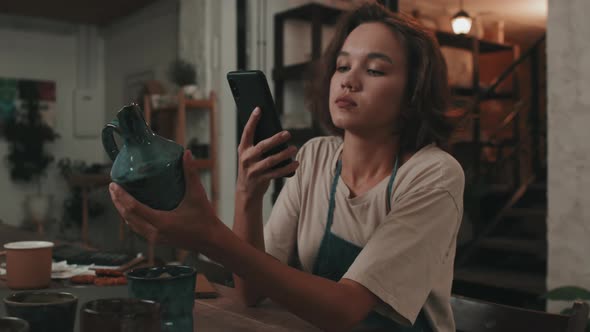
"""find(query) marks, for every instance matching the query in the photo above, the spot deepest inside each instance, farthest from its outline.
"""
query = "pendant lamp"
(461, 21)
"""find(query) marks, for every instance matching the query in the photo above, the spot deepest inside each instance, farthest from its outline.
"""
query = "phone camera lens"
(234, 88)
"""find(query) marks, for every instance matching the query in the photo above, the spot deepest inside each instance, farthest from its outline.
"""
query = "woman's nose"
(350, 83)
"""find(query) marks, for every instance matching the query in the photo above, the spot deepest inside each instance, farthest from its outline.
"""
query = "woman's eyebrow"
(370, 56)
(380, 56)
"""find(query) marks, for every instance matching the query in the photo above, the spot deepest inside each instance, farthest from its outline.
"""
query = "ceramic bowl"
(44, 311)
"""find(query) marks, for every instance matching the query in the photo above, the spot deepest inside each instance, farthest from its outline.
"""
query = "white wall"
(45, 50)
(146, 41)
(568, 60)
(221, 25)
(74, 57)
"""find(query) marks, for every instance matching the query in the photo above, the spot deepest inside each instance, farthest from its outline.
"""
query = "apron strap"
(332, 202)
(390, 184)
(332, 195)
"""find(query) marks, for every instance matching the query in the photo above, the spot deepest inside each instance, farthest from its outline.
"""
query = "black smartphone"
(250, 90)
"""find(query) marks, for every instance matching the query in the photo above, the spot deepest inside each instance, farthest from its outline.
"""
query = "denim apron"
(336, 255)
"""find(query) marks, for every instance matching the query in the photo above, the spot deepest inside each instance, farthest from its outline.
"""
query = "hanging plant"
(27, 134)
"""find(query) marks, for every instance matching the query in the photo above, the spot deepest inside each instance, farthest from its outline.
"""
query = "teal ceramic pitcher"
(147, 166)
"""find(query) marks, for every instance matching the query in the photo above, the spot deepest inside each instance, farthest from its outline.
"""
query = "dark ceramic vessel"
(147, 166)
(13, 324)
(44, 311)
(120, 315)
(171, 286)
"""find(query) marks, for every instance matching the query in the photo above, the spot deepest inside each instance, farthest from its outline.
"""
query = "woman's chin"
(343, 121)
(348, 126)
(341, 124)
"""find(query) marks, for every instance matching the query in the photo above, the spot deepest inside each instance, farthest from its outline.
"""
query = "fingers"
(270, 161)
(247, 139)
(191, 171)
(252, 155)
(194, 188)
(283, 171)
(145, 229)
(137, 223)
(132, 210)
(271, 142)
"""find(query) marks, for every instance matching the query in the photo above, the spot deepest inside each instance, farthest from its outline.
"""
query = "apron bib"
(336, 255)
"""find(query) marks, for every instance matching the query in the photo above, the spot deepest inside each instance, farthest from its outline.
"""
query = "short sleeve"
(403, 257)
(280, 231)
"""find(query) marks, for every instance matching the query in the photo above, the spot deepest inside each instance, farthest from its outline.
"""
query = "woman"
(365, 232)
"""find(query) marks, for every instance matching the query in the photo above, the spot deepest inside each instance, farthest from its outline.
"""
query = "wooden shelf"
(201, 104)
(205, 163)
(469, 92)
(89, 180)
(190, 104)
(466, 42)
(179, 111)
(516, 245)
(527, 282)
(317, 16)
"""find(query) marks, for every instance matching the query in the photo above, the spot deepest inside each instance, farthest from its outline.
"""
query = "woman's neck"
(367, 161)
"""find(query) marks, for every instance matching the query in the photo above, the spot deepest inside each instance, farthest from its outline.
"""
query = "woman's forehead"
(374, 37)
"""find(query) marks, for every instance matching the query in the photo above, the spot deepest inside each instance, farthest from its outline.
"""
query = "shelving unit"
(475, 128)
(318, 15)
(178, 131)
(183, 106)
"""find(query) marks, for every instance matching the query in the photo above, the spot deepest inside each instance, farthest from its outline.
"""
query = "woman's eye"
(341, 69)
(373, 72)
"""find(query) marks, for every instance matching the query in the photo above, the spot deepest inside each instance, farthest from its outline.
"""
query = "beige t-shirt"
(408, 252)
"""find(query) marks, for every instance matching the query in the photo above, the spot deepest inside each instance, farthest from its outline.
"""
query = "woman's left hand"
(188, 226)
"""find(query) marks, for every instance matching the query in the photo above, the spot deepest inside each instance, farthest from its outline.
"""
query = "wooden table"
(225, 313)
(87, 182)
(219, 314)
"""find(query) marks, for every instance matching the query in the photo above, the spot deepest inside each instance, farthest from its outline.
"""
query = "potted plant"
(27, 134)
(183, 74)
(569, 293)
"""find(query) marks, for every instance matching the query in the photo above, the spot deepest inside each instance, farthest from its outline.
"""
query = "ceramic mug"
(120, 315)
(44, 311)
(28, 264)
(172, 286)
(13, 324)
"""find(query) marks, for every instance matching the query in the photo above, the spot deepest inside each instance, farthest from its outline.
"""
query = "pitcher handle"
(108, 140)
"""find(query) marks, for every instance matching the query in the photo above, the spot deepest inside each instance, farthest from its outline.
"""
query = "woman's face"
(367, 88)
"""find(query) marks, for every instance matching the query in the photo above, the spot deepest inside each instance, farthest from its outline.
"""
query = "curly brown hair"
(422, 120)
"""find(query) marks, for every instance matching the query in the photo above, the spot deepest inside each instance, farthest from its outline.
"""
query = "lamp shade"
(461, 22)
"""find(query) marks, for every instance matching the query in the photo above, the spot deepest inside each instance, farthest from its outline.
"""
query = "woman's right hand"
(254, 171)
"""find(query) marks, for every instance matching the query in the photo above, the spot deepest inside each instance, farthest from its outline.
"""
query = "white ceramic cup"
(28, 264)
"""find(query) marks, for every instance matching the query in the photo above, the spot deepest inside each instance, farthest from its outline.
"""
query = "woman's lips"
(345, 102)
